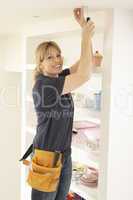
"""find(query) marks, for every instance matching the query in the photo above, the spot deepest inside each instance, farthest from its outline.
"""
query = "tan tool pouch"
(44, 171)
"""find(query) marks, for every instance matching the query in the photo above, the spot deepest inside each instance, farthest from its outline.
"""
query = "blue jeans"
(63, 187)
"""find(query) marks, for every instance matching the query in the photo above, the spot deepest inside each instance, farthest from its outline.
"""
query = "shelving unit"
(86, 158)
(31, 131)
(82, 154)
(85, 192)
(82, 114)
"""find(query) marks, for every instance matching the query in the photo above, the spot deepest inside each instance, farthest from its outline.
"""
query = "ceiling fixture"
(36, 16)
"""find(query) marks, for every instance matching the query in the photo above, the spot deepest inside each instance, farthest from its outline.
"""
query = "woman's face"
(53, 62)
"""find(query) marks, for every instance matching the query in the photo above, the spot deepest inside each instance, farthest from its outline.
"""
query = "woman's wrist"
(83, 24)
(85, 35)
(88, 30)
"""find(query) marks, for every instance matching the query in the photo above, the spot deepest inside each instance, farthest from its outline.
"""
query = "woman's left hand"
(79, 16)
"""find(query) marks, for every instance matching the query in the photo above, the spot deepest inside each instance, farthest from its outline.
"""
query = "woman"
(54, 105)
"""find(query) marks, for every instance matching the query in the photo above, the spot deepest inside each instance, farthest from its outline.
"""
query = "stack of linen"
(87, 137)
(90, 177)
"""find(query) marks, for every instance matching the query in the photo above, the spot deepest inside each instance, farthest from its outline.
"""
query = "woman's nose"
(57, 59)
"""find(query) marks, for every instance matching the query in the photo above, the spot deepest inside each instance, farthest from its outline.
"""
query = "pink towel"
(84, 124)
(90, 177)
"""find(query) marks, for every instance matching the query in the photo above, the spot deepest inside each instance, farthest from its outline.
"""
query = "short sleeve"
(55, 84)
(46, 92)
(65, 72)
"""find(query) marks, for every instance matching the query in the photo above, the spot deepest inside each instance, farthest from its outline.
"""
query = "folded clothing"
(90, 177)
(77, 171)
(92, 184)
(87, 138)
(84, 124)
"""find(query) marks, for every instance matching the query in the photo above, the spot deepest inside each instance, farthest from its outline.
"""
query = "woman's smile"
(58, 66)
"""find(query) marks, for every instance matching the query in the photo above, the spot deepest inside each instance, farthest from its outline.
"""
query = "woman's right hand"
(88, 29)
(79, 16)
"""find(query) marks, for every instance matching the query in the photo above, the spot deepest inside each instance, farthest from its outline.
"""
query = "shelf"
(31, 130)
(29, 99)
(83, 114)
(84, 157)
(86, 192)
(97, 71)
(97, 75)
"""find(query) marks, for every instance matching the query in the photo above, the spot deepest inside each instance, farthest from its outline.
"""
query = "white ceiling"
(15, 14)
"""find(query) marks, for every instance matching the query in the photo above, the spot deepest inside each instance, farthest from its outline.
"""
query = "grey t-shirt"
(54, 113)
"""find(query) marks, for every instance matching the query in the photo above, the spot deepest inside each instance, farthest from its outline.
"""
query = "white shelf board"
(97, 71)
(97, 75)
(30, 66)
(84, 157)
(31, 130)
(87, 193)
(29, 99)
(83, 114)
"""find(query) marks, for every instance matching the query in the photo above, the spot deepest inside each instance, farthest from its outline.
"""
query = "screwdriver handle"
(88, 18)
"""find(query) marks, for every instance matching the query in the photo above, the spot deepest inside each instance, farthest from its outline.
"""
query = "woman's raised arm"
(75, 80)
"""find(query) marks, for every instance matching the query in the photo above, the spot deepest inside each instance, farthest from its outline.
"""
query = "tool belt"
(44, 169)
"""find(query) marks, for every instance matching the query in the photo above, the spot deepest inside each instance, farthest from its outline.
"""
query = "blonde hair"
(40, 55)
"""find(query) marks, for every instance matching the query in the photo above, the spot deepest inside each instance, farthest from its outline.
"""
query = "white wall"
(2, 52)
(105, 111)
(61, 24)
(69, 42)
(116, 182)
(12, 52)
(121, 128)
(10, 134)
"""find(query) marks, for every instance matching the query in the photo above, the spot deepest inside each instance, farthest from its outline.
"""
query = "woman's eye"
(58, 55)
(49, 57)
